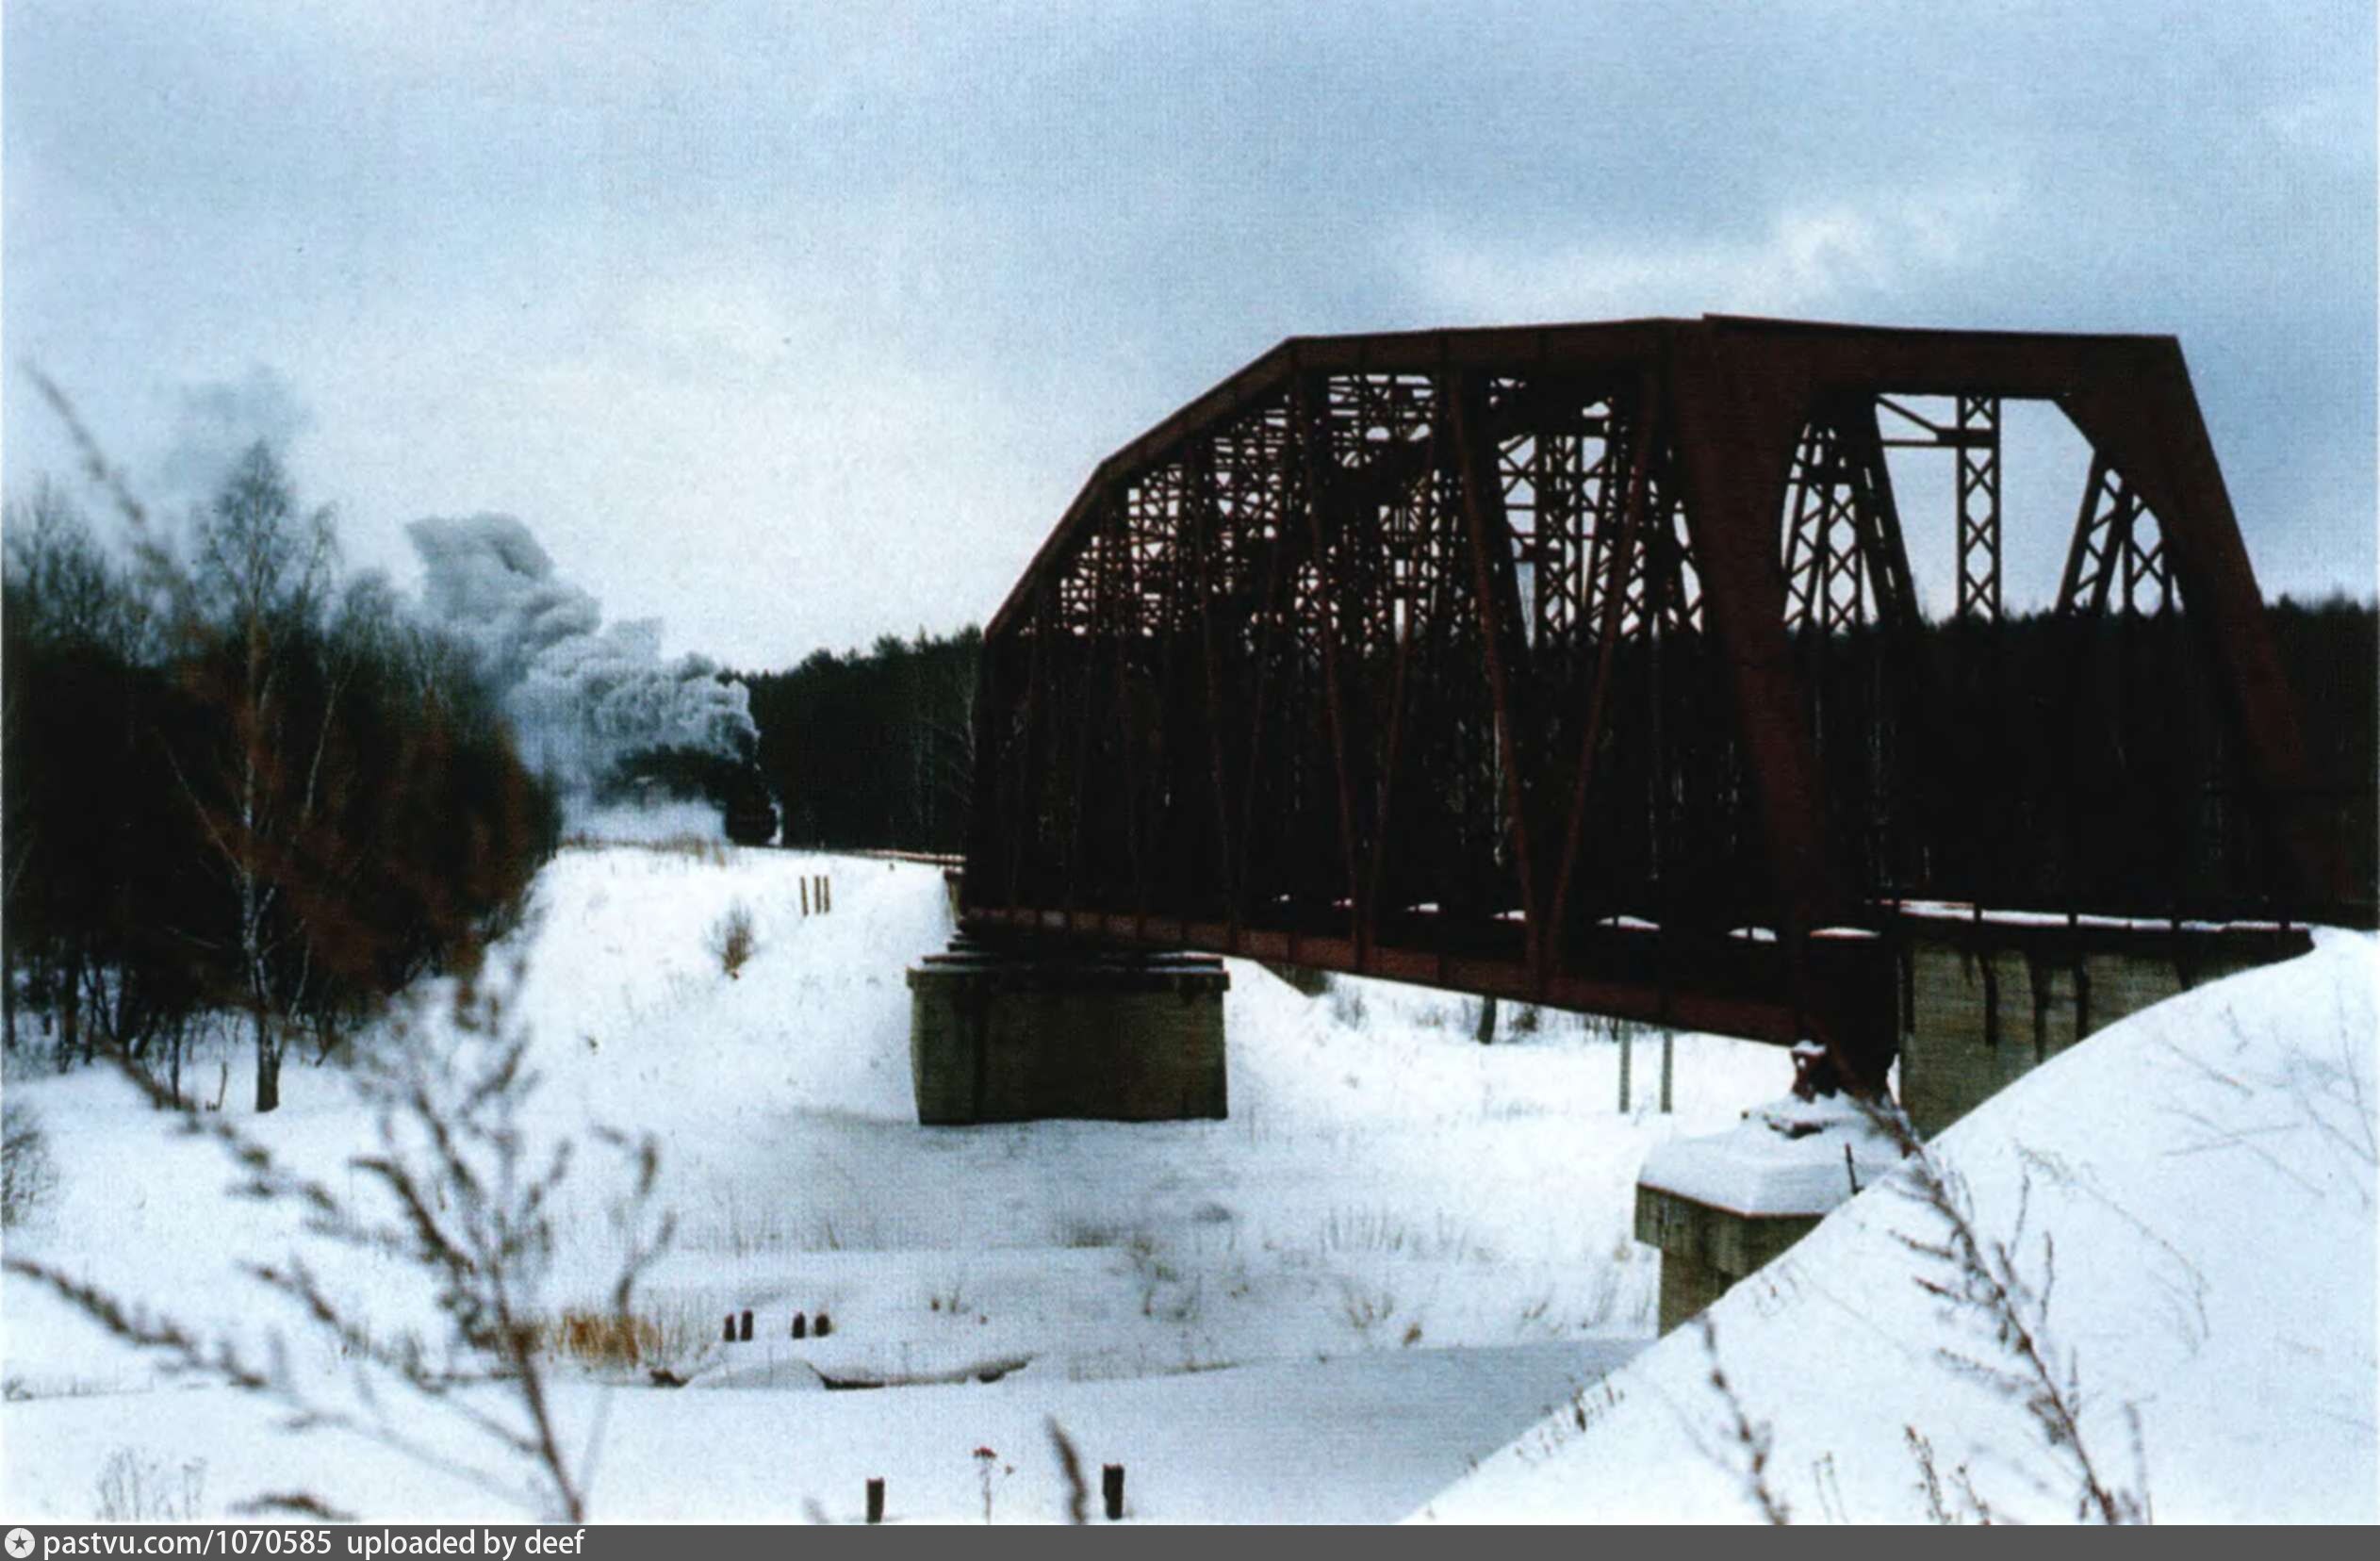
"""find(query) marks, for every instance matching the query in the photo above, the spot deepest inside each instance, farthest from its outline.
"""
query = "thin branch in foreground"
(291, 1503)
(466, 1203)
(1984, 1279)
(1754, 1440)
(1070, 1464)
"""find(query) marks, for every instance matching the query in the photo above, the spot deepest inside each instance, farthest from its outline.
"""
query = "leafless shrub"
(1363, 1306)
(1091, 1235)
(2003, 1288)
(693, 848)
(1347, 1006)
(1384, 1231)
(1951, 1499)
(2320, 1095)
(601, 1339)
(28, 1177)
(731, 940)
(136, 1487)
(1995, 1284)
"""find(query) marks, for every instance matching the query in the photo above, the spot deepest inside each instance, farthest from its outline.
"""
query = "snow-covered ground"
(2190, 1196)
(1398, 1278)
(1401, 1250)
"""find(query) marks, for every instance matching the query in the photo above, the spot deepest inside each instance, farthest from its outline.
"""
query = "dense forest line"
(237, 783)
(2055, 760)
(873, 748)
(2331, 653)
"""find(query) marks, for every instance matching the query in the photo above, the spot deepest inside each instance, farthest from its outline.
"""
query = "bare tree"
(260, 579)
(61, 578)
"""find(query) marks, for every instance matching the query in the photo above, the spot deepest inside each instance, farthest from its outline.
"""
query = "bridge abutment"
(1985, 1001)
(1016, 1032)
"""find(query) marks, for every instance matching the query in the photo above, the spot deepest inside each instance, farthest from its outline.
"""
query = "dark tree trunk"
(268, 1066)
(69, 998)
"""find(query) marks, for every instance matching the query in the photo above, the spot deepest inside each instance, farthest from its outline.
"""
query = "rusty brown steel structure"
(1583, 664)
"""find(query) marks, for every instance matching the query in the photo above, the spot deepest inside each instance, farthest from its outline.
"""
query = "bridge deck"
(1718, 986)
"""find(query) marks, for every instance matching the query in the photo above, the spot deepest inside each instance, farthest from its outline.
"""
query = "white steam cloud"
(580, 695)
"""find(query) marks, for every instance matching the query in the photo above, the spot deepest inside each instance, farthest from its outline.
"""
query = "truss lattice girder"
(1338, 520)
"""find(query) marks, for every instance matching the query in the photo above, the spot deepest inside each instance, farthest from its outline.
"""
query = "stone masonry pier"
(1017, 1032)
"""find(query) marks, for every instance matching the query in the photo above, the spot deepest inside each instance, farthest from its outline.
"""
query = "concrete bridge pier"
(1020, 1031)
(1721, 1208)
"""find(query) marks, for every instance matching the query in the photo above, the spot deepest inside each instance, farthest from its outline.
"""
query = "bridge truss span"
(1586, 664)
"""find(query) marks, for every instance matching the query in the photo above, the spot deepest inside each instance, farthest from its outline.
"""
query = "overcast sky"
(794, 325)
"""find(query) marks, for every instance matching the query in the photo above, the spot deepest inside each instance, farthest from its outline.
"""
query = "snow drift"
(2189, 1195)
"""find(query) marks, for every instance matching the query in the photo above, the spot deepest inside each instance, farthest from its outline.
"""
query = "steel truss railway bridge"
(1583, 664)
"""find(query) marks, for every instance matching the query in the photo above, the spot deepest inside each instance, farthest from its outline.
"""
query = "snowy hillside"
(1401, 1251)
(2197, 1181)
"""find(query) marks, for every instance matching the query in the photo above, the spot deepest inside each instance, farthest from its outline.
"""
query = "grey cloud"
(993, 243)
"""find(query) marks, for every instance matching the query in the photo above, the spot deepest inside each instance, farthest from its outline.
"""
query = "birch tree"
(260, 579)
